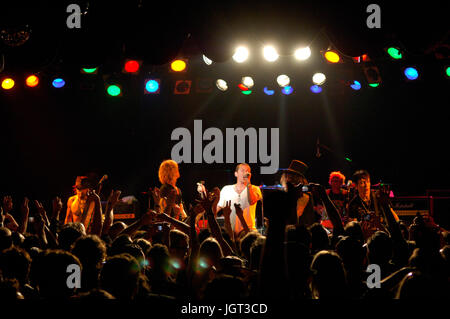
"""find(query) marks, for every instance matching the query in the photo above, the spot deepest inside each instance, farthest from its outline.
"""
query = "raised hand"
(92, 196)
(7, 204)
(113, 198)
(57, 206)
(156, 194)
(24, 208)
(227, 209)
(42, 212)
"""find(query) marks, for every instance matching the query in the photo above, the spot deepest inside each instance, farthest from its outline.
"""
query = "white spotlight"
(302, 53)
(222, 85)
(319, 78)
(283, 80)
(206, 60)
(248, 82)
(241, 54)
(270, 54)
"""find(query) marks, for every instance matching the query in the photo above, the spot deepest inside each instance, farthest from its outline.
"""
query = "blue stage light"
(355, 85)
(287, 90)
(268, 92)
(58, 83)
(411, 73)
(315, 89)
(152, 86)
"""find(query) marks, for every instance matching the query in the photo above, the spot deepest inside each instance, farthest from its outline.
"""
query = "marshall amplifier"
(410, 206)
(126, 210)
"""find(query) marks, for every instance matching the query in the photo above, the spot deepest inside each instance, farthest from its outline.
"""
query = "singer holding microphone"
(244, 194)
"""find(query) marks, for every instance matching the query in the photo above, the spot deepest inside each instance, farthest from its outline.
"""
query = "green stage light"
(394, 53)
(113, 90)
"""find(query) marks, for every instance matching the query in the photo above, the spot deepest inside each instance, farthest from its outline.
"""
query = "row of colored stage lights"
(152, 85)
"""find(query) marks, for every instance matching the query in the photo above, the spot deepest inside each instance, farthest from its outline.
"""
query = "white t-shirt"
(228, 193)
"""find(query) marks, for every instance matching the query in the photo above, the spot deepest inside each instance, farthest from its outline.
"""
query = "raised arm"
(113, 199)
(212, 222)
(332, 211)
(240, 215)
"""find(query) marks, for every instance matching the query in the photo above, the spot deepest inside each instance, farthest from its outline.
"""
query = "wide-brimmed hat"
(297, 167)
(82, 182)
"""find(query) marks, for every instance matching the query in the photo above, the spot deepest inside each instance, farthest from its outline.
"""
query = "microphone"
(104, 178)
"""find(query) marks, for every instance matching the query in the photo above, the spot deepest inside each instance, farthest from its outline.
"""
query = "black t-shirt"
(165, 190)
(339, 200)
(366, 214)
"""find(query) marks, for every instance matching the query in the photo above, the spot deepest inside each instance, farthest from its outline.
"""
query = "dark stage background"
(398, 131)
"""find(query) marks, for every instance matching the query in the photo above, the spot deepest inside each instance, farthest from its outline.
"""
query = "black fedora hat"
(297, 167)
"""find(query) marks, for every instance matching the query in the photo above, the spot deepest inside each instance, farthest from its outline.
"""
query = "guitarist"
(364, 206)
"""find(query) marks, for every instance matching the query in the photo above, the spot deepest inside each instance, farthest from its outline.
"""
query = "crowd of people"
(317, 244)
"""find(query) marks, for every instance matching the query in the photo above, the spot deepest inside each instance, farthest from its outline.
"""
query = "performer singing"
(243, 193)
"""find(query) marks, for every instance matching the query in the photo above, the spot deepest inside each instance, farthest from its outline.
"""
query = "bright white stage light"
(319, 78)
(222, 85)
(206, 60)
(241, 54)
(283, 80)
(248, 82)
(270, 53)
(302, 53)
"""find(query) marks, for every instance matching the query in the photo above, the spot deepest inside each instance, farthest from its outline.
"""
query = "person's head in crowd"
(168, 172)
(144, 244)
(225, 287)
(116, 228)
(178, 244)
(118, 244)
(120, 276)
(93, 295)
(90, 250)
(353, 229)
(10, 290)
(135, 251)
(17, 239)
(319, 238)
(336, 180)
(299, 234)
(428, 262)
(69, 233)
(328, 276)
(203, 234)
(15, 263)
(298, 261)
(158, 258)
(231, 265)
(362, 180)
(211, 252)
(246, 242)
(50, 273)
(416, 285)
(424, 234)
(379, 248)
(5, 238)
(256, 252)
(351, 253)
(31, 241)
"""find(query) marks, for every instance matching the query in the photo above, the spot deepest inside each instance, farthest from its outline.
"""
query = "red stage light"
(132, 66)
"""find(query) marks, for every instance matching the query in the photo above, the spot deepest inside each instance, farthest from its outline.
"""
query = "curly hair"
(168, 172)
